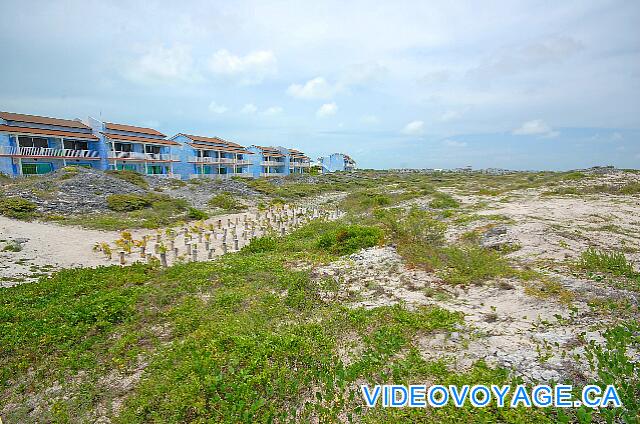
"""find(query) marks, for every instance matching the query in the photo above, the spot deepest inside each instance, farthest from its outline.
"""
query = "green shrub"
(261, 244)
(443, 201)
(12, 246)
(472, 264)
(601, 261)
(130, 176)
(196, 214)
(349, 239)
(362, 201)
(16, 207)
(128, 202)
(227, 202)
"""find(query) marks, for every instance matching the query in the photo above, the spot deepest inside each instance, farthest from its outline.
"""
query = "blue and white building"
(268, 162)
(31, 145)
(299, 163)
(139, 149)
(210, 157)
(337, 162)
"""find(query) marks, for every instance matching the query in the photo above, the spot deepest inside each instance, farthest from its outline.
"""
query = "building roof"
(47, 132)
(213, 140)
(131, 128)
(204, 146)
(269, 151)
(297, 154)
(119, 137)
(43, 120)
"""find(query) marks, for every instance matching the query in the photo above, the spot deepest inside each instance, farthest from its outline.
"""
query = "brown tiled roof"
(270, 151)
(216, 140)
(297, 154)
(137, 139)
(230, 149)
(131, 128)
(33, 119)
(45, 132)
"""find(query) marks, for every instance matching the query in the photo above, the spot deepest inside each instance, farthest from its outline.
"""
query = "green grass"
(443, 201)
(603, 261)
(130, 176)
(17, 207)
(226, 202)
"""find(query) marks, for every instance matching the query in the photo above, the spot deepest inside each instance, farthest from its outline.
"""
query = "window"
(152, 149)
(123, 147)
(126, 167)
(25, 141)
(36, 168)
(76, 145)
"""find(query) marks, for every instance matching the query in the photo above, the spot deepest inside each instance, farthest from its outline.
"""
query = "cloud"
(273, 110)
(249, 108)
(251, 69)
(316, 88)
(370, 119)
(523, 58)
(535, 127)
(216, 108)
(161, 65)
(455, 143)
(327, 109)
(450, 115)
(413, 128)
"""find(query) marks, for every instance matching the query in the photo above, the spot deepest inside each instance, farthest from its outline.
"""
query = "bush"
(130, 176)
(196, 214)
(226, 201)
(363, 201)
(601, 261)
(443, 201)
(16, 207)
(261, 244)
(472, 264)
(12, 246)
(349, 239)
(128, 202)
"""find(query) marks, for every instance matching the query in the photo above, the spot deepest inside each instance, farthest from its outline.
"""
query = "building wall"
(333, 163)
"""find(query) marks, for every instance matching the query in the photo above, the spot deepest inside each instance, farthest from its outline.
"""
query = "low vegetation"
(18, 208)
(226, 202)
(130, 176)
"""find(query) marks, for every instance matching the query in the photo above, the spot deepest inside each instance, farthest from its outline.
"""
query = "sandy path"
(46, 245)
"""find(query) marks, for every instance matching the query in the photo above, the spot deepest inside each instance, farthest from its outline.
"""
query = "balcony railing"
(271, 163)
(272, 174)
(164, 157)
(221, 176)
(300, 164)
(48, 152)
(216, 161)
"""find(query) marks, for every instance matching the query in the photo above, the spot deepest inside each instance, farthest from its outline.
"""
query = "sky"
(418, 84)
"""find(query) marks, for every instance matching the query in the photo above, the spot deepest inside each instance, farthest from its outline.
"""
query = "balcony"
(139, 156)
(271, 163)
(243, 162)
(300, 164)
(48, 152)
(272, 174)
(221, 176)
(210, 160)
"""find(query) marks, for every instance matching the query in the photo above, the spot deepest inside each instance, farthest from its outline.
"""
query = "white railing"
(271, 163)
(161, 175)
(300, 164)
(272, 174)
(142, 156)
(212, 160)
(221, 176)
(243, 162)
(47, 152)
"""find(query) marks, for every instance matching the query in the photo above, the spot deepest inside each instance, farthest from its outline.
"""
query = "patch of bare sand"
(503, 325)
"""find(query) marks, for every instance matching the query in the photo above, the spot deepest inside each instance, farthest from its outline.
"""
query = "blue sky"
(520, 85)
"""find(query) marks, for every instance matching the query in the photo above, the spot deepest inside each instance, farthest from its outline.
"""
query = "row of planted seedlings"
(203, 240)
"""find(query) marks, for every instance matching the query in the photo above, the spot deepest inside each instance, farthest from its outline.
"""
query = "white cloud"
(161, 65)
(273, 110)
(317, 88)
(370, 119)
(450, 115)
(535, 127)
(249, 108)
(251, 69)
(455, 143)
(216, 108)
(327, 109)
(413, 128)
